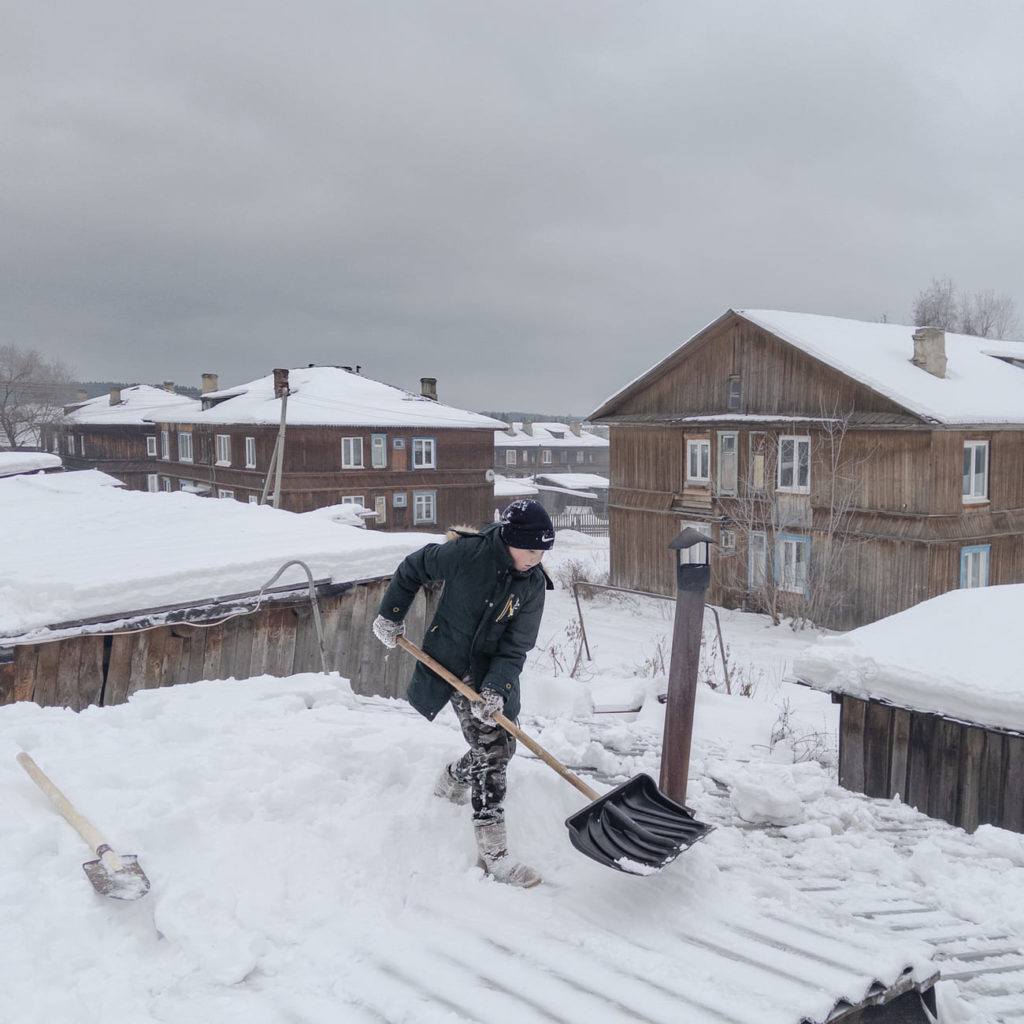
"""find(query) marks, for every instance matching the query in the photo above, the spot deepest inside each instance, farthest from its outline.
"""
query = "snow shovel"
(115, 875)
(632, 828)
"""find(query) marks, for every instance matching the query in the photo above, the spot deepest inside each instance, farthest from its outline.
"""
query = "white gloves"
(387, 631)
(483, 709)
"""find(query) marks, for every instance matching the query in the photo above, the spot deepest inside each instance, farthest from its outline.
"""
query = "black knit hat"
(525, 524)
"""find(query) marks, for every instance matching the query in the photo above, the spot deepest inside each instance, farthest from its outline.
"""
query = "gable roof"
(550, 435)
(330, 396)
(139, 404)
(984, 380)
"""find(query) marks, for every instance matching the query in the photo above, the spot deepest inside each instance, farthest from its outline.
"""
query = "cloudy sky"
(533, 201)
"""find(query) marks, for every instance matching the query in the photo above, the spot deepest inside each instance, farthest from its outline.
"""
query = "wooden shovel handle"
(507, 724)
(81, 825)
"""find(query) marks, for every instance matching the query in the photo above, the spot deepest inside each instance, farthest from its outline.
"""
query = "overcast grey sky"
(533, 201)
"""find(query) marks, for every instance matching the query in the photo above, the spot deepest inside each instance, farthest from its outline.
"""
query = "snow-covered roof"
(505, 486)
(956, 655)
(575, 481)
(984, 380)
(139, 404)
(550, 435)
(12, 463)
(331, 396)
(78, 546)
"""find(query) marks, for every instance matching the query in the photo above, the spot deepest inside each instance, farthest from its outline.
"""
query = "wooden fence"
(588, 524)
(279, 639)
(963, 773)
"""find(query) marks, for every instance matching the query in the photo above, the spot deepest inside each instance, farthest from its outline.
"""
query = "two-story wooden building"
(333, 436)
(846, 470)
(525, 449)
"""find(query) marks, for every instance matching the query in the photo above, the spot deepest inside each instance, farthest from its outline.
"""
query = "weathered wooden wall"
(965, 774)
(279, 639)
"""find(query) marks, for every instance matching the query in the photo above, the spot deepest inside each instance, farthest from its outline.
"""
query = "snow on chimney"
(281, 383)
(930, 350)
(428, 387)
(209, 383)
(574, 426)
(115, 396)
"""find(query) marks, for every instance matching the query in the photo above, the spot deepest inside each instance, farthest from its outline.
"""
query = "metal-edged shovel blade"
(118, 876)
(634, 828)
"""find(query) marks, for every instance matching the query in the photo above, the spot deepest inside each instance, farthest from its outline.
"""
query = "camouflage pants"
(483, 766)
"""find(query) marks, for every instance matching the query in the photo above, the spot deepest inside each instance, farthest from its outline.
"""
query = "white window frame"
(185, 448)
(424, 507)
(152, 482)
(223, 449)
(165, 445)
(974, 566)
(254, 499)
(352, 499)
(695, 553)
(81, 445)
(727, 539)
(975, 476)
(380, 508)
(792, 562)
(545, 457)
(511, 457)
(728, 482)
(351, 453)
(794, 469)
(424, 453)
(151, 445)
(224, 492)
(698, 460)
(379, 451)
(757, 561)
(250, 453)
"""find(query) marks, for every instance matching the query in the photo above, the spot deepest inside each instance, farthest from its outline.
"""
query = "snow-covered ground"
(302, 872)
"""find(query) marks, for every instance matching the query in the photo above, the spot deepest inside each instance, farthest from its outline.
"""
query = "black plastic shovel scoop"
(118, 876)
(633, 828)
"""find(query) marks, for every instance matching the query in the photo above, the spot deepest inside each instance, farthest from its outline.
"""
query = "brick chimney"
(169, 386)
(281, 383)
(209, 383)
(115, 396)
(930, 350)
(574, 426)
(528, 429)
(428, 388)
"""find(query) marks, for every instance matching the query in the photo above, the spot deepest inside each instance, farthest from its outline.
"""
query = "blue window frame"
(792, 560)
(424, 507)
(974, 566)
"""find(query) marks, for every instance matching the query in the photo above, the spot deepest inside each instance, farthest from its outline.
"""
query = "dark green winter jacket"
(487, 617)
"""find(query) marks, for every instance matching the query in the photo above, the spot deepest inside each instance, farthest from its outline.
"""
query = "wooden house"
(329, 436)
(846, 470)
(115, 433)
(525, 449)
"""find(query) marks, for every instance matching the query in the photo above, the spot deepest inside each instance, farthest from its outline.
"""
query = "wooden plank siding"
(905, 524)
(279, 639)
(960, 772)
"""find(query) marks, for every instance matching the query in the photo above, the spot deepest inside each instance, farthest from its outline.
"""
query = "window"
(579, 456)
(696, 553)
(757, 561)
(563, 456)
(545, 456)
(165, 444)
(698, 461)
(398, 444)
(727, 539)
(758, 445)
(734, 393)
(380, 508)
(81, 445)
(974, 566)
(224, 493)
(351, 453)
(728, 468)
(223, 449)
(792, 556)
(975, 471)
(184, 485)
(379, 451)
(250, 453)
(254, 499)
(184, 445)
(510, 457)
(424, 507)
(424, 453)
(71, 443)
(151, 445)
(152, 481)
(794, 464)
(352, 499)
(399, 500)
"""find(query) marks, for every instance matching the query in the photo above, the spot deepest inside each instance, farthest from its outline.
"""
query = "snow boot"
(495, 860)
(449, 789)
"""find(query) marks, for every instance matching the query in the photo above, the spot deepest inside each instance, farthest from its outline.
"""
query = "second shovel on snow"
(633, 828)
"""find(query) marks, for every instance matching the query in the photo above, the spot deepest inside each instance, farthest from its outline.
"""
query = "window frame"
(185, 444)
(721, 486)
(734, 393)
(511, 457)
(757, 572)
(348, 453)
(379, 451)
(421, 446)
(165, 445)
(420, 499)
(980, 553)
(796, 543)
(151, 448)
(250, 453)
(972, 475)
(223, 446)
(225, 492)
(698, 461)
(354, 499)
(795, 465)
(153, 483)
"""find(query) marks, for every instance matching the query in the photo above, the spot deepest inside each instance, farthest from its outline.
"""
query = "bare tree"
(983, 314)
(31, 394)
